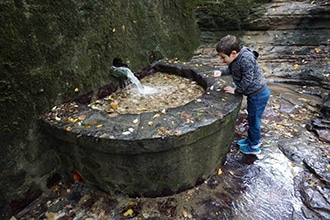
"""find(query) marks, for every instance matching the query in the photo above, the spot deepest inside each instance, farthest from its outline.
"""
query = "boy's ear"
(234, 52)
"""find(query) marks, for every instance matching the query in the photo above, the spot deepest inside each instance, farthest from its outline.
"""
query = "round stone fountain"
(148, 154)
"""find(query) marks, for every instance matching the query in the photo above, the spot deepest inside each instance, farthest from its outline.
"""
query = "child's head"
(228, 48)
(227, 44)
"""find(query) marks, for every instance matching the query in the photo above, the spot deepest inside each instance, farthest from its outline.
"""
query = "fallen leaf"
(219, 171)
(135, 121)
(178, 132)
(156, 116)
(185, 213)
(112, 115)
(186, 115)
(150, 123)
(82, 117)
(129, 212)
(114, 105)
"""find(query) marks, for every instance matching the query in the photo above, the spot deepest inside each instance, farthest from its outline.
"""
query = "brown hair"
(227, 44)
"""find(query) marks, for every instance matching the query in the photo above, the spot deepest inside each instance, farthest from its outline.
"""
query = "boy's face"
(228, 59)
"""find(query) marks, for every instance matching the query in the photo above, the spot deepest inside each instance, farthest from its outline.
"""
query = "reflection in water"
(268, 179)
(269, 192)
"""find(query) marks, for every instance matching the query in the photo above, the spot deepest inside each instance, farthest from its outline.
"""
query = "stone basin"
(127, 154)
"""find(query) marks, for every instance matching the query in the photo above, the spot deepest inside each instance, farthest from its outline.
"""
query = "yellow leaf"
(112, 115)
(156, 116)
(185, 213)
(129, 212)
(296, 65)
(76, 90)
(219, 171)
(114, 105)
(99, 125)
(82, 117)
(71, 120)
(68, 128)
(150, 123)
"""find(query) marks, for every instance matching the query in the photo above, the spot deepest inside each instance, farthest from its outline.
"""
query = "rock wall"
(53, 51)
(292, 37)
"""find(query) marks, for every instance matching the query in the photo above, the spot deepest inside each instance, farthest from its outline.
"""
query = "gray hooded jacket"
(246, 73)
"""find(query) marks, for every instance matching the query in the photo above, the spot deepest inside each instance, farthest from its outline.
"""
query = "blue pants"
(255, 106)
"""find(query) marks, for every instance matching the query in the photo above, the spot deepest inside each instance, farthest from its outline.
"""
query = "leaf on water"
(71, 120)
(82, 117)
(199, 113)
(186, 115)
(126, 132)
(135, 121)
(156, 115)
(103, 136)
(112, 115)
(129, 212)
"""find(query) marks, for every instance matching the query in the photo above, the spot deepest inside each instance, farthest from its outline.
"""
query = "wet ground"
(277, 184)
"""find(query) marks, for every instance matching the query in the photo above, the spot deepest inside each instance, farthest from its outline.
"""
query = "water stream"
(142, 89)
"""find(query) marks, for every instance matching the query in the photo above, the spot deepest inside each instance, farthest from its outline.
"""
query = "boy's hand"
(229, 89)
(217, 73)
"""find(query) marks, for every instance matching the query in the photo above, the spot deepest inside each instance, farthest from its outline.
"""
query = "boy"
(249, 81)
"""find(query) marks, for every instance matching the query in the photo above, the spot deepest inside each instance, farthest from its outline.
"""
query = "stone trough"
(180, 149)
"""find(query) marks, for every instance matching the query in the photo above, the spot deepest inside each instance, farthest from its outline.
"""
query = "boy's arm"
(222, 72)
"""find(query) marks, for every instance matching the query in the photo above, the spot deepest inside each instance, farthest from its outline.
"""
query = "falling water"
(145, 90)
